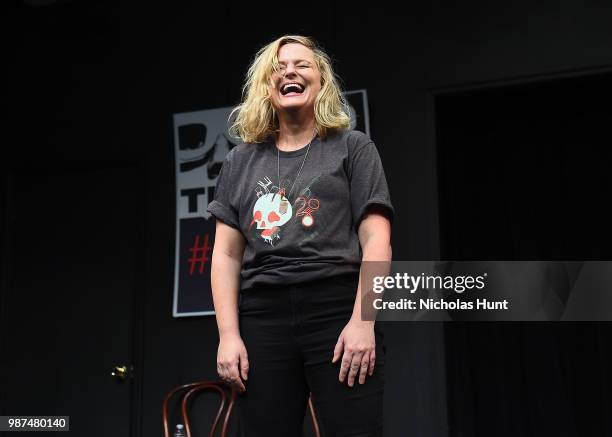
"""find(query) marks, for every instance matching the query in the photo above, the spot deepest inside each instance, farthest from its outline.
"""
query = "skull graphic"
(271, 211)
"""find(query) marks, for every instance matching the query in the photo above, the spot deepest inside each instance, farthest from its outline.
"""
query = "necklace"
(298, 173)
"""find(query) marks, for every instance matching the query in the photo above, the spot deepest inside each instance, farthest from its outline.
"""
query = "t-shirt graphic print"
(273, 209)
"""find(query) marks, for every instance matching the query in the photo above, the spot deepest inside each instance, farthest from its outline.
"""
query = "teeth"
(293, 84)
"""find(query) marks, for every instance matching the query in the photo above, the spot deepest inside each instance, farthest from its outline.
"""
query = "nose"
(289, 69)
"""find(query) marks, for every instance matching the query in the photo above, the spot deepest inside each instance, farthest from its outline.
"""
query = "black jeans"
(290, 333)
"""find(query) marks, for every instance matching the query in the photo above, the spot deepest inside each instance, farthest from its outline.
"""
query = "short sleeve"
(368, 183)
(221, 207)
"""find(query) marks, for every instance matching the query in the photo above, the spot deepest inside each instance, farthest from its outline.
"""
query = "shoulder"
(358, 139)
(352, 139)
(241, 152)
(354, 143)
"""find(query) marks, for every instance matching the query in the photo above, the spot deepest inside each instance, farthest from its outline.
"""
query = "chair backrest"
(313, 416)
(221, 388)
(197, 387)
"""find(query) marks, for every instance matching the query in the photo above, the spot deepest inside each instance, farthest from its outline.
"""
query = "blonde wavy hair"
(255, 117)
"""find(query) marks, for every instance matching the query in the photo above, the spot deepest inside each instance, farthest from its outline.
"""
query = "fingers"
(234, 376)
(372, 361)
(345, 365)
(357, 365)
(230, 373)
(351, 366)
(363, 371)
(355, 368)
(244, 365)
(223, 371)
(338, 349)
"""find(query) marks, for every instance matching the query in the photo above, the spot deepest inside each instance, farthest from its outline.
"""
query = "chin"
(293, 105)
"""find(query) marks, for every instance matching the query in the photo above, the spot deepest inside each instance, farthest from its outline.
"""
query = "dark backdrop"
(523, 172)
(98, 82)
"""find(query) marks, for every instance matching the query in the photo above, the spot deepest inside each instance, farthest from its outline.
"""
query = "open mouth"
(292, 89)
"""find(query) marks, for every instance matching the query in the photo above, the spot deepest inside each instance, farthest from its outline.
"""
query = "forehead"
(295, 52)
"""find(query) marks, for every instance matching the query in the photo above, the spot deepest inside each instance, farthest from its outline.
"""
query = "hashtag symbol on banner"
(199, 254)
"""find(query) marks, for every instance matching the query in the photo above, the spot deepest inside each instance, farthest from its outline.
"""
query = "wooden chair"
(197, 387)
(313, 416)
(222, 389)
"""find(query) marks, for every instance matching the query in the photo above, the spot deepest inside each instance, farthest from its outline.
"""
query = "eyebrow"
(297, 61)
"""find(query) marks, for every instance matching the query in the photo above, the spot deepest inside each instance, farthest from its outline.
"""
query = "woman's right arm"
(232, 360)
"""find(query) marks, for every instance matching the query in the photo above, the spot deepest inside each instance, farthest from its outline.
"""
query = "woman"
(299, 205)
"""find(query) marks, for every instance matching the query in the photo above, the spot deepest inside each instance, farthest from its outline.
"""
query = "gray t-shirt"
(310, 232)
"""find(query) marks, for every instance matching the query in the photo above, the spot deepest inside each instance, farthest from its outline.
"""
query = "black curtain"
(524, 175)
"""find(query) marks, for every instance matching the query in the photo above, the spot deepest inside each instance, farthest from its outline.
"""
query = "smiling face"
(297, 82)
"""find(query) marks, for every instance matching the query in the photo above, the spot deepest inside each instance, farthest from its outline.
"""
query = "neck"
(294, 131)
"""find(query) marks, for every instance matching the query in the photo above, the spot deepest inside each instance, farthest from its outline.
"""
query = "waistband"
(348, 280)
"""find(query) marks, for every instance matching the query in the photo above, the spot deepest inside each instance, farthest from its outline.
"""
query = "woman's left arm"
(357, 344)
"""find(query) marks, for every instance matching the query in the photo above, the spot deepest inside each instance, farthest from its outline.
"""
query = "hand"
(358, 343)
(232, 361)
